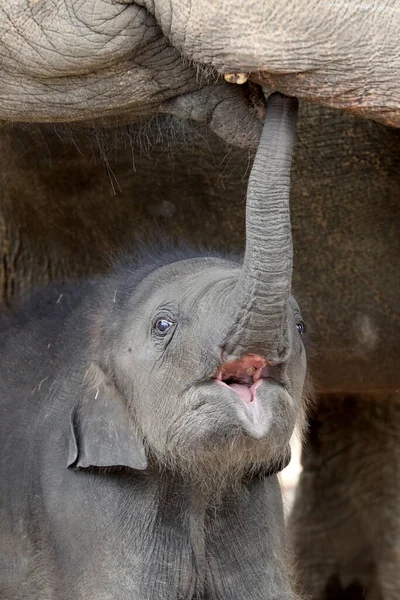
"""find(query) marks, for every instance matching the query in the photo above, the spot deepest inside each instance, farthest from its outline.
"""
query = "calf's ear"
(102, 433)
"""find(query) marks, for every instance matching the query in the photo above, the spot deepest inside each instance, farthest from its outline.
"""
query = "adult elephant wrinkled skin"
(70, 197)
(73, 60)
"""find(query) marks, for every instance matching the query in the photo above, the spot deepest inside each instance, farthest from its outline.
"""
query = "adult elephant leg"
(345, 524)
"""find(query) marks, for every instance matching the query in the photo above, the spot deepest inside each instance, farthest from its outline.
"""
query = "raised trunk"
(262, 292)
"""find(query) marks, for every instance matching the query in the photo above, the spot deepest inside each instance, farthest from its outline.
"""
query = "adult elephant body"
(69, 198)
(89, 60)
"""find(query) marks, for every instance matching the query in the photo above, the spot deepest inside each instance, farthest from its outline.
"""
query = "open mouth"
(244, 376)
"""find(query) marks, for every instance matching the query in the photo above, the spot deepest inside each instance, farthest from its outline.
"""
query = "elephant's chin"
(228, 429)
(246, 403)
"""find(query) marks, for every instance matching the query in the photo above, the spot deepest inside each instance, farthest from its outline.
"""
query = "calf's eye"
(162, 325)
(301, 328)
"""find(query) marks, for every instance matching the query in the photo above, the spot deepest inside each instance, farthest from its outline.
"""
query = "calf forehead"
(188, 280)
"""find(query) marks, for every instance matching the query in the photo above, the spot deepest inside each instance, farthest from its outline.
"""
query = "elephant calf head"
(198, 361)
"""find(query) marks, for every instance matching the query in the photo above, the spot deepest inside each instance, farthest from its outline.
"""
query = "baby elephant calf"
(145, 416)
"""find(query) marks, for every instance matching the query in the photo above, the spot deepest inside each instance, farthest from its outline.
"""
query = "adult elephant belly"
(69, 199)
(85, 60)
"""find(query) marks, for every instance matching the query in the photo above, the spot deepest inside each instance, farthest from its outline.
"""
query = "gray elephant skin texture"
(88, 60)
(144, 421)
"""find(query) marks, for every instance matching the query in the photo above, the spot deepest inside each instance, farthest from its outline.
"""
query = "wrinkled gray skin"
(184, 508)
(59, 216)
(120, 60)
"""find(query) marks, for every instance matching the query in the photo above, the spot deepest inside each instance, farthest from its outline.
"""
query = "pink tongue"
(243, 391)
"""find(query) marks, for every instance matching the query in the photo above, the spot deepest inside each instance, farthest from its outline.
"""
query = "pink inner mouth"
(245, 393)
(243, 376)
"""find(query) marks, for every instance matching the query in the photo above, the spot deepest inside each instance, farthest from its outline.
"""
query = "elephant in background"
(71, 194)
